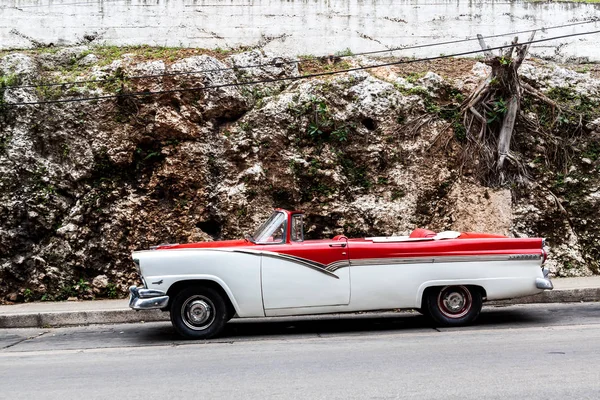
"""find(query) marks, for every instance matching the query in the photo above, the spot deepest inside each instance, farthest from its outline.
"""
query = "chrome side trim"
(337, 265)
(428, 260)
(500, 257)
(147, 299)
(302, 261)
(526, 257)
(387, 261)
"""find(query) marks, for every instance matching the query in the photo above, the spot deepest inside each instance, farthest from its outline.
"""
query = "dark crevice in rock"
(369, 123)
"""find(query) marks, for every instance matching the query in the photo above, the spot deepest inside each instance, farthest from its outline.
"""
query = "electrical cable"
(278, 64)
(296, 78)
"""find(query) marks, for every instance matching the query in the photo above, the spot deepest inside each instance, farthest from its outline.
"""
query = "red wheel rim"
(454, 301)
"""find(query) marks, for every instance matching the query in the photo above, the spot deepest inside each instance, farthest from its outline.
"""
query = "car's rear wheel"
(199, 312)
(454, 305)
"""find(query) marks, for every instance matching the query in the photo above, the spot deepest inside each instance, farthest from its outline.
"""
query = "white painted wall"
(295, 26)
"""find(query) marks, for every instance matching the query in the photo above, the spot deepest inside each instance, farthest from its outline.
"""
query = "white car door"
(296, 276)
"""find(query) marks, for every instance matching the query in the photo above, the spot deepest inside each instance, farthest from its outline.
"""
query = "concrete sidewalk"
(48, 314)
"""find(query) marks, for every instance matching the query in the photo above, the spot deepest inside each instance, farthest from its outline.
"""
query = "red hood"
(206, 245)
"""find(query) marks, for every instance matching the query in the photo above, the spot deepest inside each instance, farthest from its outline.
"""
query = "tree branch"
(509, 51)
(522, 51)
(508, 125)
(477, 115)
(487, 52)
(539, 95)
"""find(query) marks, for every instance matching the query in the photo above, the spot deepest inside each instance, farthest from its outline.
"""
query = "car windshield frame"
(269, 227)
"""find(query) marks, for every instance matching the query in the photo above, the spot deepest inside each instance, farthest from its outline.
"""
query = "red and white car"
(275, 272)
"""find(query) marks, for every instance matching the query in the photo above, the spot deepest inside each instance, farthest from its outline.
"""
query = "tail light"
(544, 252)
(544, 256)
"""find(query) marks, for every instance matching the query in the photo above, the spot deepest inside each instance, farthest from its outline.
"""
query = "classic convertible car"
(275, 272)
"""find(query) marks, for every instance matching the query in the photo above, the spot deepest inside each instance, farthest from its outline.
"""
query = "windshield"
(273, 230)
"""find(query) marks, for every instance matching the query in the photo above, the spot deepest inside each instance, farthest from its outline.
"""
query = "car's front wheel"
(199, 312)
(454, 305)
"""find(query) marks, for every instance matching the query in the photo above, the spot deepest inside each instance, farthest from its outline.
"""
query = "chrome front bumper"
(544, 283)
(147, 299)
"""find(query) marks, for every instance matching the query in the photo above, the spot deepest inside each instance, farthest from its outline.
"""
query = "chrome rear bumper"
(544, 283)
(147, 299)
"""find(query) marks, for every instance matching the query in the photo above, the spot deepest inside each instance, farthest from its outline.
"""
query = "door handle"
(338, 245)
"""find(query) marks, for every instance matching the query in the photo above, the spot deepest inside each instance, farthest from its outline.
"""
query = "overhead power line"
(296, 78)
(543, 28)
(282, 62)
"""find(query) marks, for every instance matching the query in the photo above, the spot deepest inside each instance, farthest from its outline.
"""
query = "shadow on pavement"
(292, 328)
(339, 324)
(499, 317)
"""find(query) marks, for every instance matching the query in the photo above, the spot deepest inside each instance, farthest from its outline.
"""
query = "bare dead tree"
(490, 112)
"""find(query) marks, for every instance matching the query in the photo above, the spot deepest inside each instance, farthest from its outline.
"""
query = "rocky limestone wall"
(364, 153)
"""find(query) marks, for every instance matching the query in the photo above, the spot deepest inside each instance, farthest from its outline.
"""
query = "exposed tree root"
(491, 112)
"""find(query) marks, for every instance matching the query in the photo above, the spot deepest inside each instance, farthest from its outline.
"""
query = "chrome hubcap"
(454, 302)
(198, 313)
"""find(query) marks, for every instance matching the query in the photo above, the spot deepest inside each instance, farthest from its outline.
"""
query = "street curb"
(123, 316)
(54, 319)
(584, 295)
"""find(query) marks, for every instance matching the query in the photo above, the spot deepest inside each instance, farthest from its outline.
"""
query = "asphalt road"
(541, 351)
